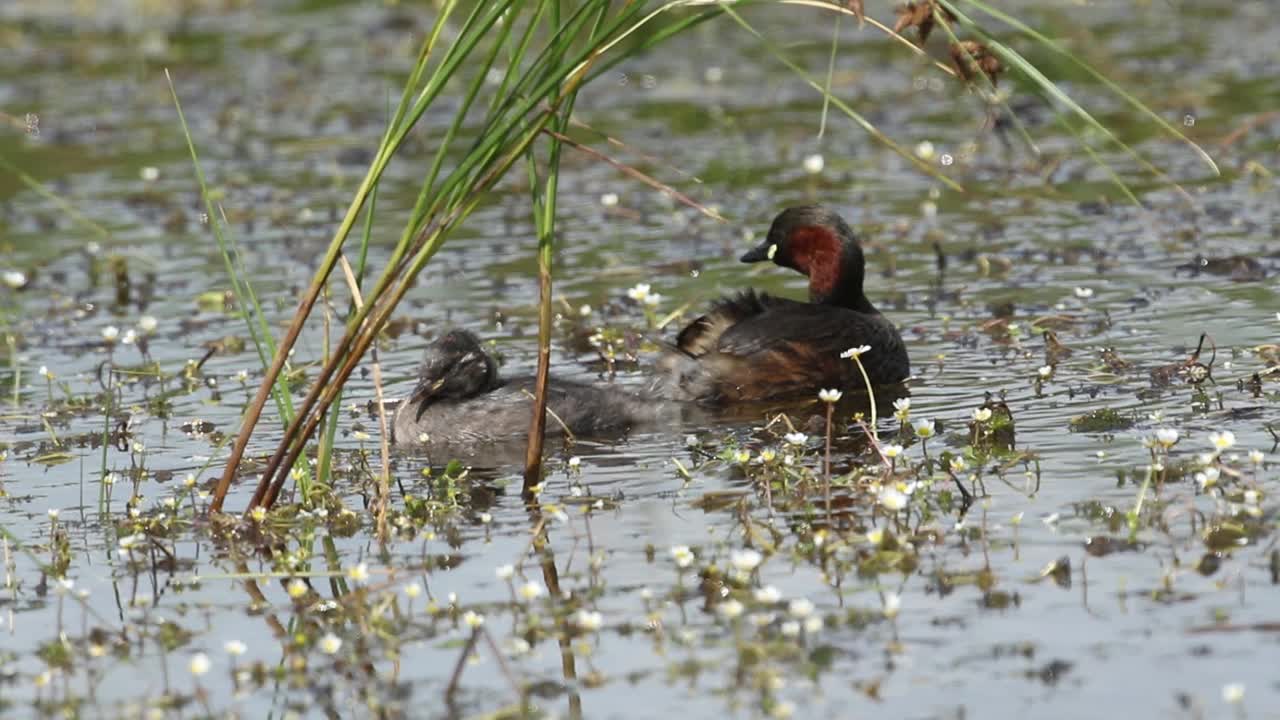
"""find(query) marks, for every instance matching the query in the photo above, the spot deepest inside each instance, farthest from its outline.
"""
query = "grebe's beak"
(765, 251)
(424, 394)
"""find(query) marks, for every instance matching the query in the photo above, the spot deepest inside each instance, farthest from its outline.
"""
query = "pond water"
(1040, 600)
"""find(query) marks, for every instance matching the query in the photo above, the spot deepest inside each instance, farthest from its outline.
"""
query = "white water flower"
(730, 609)
(745, 560)
(958, 464)
(147, 324)
(639, 292)
(609, 199)
(1207, 478)
(588, 620)
(768, 595)
(504, 572)
(795, 438)
(743, 456)
(1233, 693)
(531, 590)
(800, 607)
(875, 537)
(413, 590)
(1222, 440)
(813, 164)
(1167, 437)
(902, 407)
(14, 279)
(892, 450)
(575, 462)
(235, 648)
(296, 588)
(830, 395)
(892, 604)
(1084, 293)
(110, 333)
(854, 352)
(1046, 371)
(330, 644)
(682, 555)
(982, 414)
(199, 664)
(258, 514)
(1256, 457)
(923, 428)
(892, 499)
(358, 573)
(472, 619)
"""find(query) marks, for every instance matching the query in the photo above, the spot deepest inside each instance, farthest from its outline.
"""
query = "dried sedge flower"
(920, 15)
(971, 57)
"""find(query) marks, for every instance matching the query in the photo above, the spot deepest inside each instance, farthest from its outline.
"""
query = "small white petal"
(199, 664)
(813, 164)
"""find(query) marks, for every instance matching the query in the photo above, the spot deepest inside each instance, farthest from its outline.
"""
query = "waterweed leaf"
(718, 500)
(1102, 545)
(172, 635)
(53, 459)
(1001, 600)
(1054, 350)
(1060, 571)
(215, 301)
(1226, 536)
(1209, 563)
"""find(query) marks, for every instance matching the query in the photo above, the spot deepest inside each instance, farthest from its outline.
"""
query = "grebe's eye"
(773, 250)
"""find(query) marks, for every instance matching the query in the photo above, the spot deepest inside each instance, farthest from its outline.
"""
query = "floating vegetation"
(1103, 420)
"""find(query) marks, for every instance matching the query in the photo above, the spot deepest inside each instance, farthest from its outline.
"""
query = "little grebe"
(460, 401)
(758, 347)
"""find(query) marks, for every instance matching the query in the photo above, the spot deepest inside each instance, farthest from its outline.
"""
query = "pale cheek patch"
(773, 250)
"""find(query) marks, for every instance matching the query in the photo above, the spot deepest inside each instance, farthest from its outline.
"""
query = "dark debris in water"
(1237, 268)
